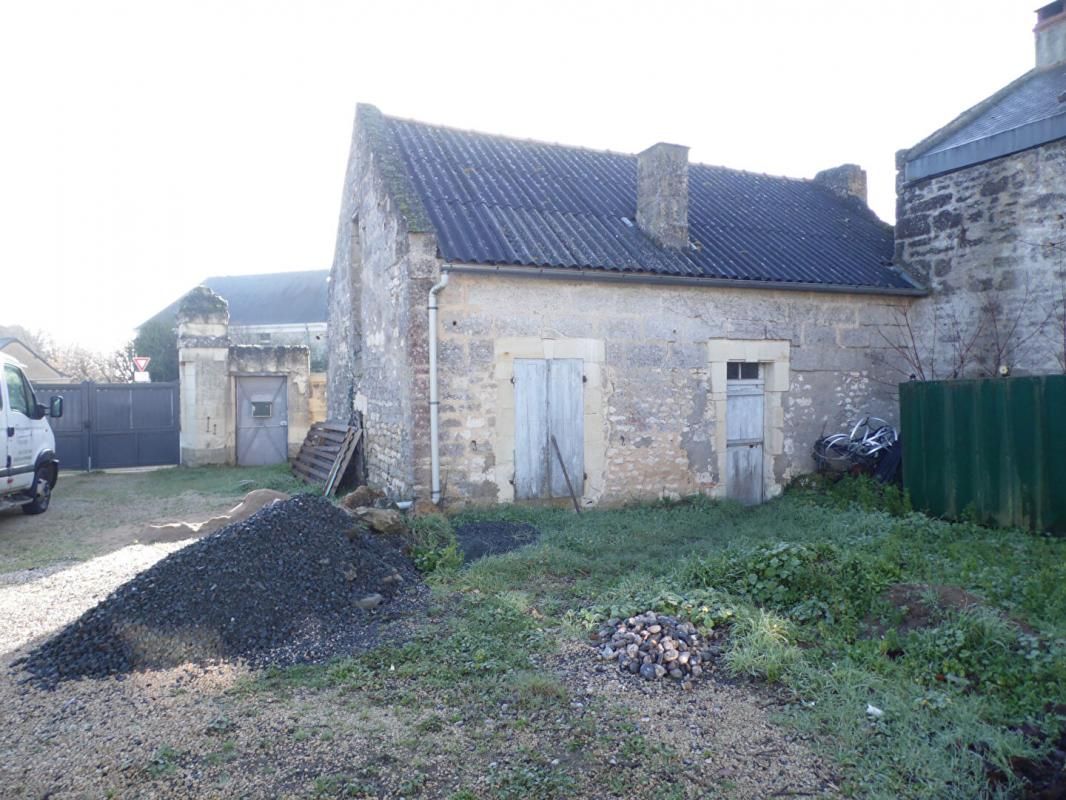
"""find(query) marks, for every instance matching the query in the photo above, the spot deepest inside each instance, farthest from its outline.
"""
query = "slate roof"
(494, 200)
(1026, 113)
(279, 298)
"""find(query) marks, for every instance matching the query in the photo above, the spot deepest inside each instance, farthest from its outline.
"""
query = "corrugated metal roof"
(1026, 113)
(497, 200)
(278, 298)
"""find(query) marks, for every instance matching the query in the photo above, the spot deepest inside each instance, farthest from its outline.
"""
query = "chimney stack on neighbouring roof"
(662, 194)
(847, 180)
(1050, 34)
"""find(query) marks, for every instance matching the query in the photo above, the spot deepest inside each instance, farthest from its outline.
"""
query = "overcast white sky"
(146, 145)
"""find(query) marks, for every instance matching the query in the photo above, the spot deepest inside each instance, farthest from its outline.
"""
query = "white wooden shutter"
(530, 428)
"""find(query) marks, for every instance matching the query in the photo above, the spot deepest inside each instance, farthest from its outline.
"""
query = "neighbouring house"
(500, 308)
(281, 308)
(981, 219)
(36, 368)
(247, 404)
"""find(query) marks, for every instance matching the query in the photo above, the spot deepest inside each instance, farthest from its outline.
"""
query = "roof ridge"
(583, 148)
(266, 274)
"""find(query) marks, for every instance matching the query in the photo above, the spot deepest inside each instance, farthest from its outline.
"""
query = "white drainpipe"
(434, 400)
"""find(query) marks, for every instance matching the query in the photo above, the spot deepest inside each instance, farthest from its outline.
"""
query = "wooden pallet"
(326, 453)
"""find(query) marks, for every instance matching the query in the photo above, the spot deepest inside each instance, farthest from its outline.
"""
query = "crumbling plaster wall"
(990, 241)
(656, 422)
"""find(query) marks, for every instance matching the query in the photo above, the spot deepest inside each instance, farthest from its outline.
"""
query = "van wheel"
(42, 487)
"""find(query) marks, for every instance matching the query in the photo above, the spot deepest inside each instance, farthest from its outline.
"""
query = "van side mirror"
(55, 406)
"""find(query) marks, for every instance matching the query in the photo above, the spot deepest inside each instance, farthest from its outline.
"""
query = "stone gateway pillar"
(203, 369)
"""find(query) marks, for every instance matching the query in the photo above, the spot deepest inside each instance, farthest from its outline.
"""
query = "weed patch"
(433, 544)
(806, 587)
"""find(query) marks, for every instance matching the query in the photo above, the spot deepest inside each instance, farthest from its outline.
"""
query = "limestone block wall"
(203, 372)
(655, 359)
(317, 403)
(209, 366)
(990, 241)
(206, 402)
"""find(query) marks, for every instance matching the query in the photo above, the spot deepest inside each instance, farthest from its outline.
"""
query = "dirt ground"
(580, 730)
(195, 732)
(96, 513)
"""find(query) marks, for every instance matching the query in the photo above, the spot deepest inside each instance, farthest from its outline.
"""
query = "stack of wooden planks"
(326, 453)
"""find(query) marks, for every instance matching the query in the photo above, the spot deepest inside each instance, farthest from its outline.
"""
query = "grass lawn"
(802, 585)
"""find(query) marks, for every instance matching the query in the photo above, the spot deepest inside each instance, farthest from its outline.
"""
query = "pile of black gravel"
(480, 539)
(287, 585)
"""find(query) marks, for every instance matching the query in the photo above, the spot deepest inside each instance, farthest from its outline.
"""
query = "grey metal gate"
(110, 425)
(262, 420)
(548, 402)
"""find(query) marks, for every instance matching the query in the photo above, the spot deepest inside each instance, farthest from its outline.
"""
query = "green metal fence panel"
(992, 447)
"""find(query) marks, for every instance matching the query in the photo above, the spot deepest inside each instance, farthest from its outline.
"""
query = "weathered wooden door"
(744, 433)
(549, 401)
(262, 420)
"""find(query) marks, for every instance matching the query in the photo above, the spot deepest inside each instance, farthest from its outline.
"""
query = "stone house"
(510, 316)
(981, 219)
(36, 368)
(280, 308)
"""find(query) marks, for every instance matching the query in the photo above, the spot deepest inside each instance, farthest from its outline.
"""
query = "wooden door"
(549, 401)
(744, 435)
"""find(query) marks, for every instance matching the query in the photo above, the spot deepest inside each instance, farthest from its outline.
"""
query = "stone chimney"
(662, 194)
(847, 180)
(1050, 34)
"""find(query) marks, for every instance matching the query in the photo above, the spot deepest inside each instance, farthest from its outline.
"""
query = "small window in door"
(262, 409)
(742, 371)
(264, 338)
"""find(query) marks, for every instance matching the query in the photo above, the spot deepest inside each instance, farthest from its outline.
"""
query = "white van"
(29, 468)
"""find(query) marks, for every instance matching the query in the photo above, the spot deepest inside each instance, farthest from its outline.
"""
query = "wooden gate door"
(549, 401)
(744, 433)
(262, 420)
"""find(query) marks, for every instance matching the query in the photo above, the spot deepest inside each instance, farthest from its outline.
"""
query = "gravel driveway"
(36, 602)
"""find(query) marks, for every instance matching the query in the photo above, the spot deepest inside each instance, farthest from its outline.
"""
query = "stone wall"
(653, 399)
(209, 365)
(317, 403)
(206, 402)
(384, 265)
(990, 241)
(313, 336)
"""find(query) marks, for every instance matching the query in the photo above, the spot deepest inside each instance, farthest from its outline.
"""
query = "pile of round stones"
(653, 646)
